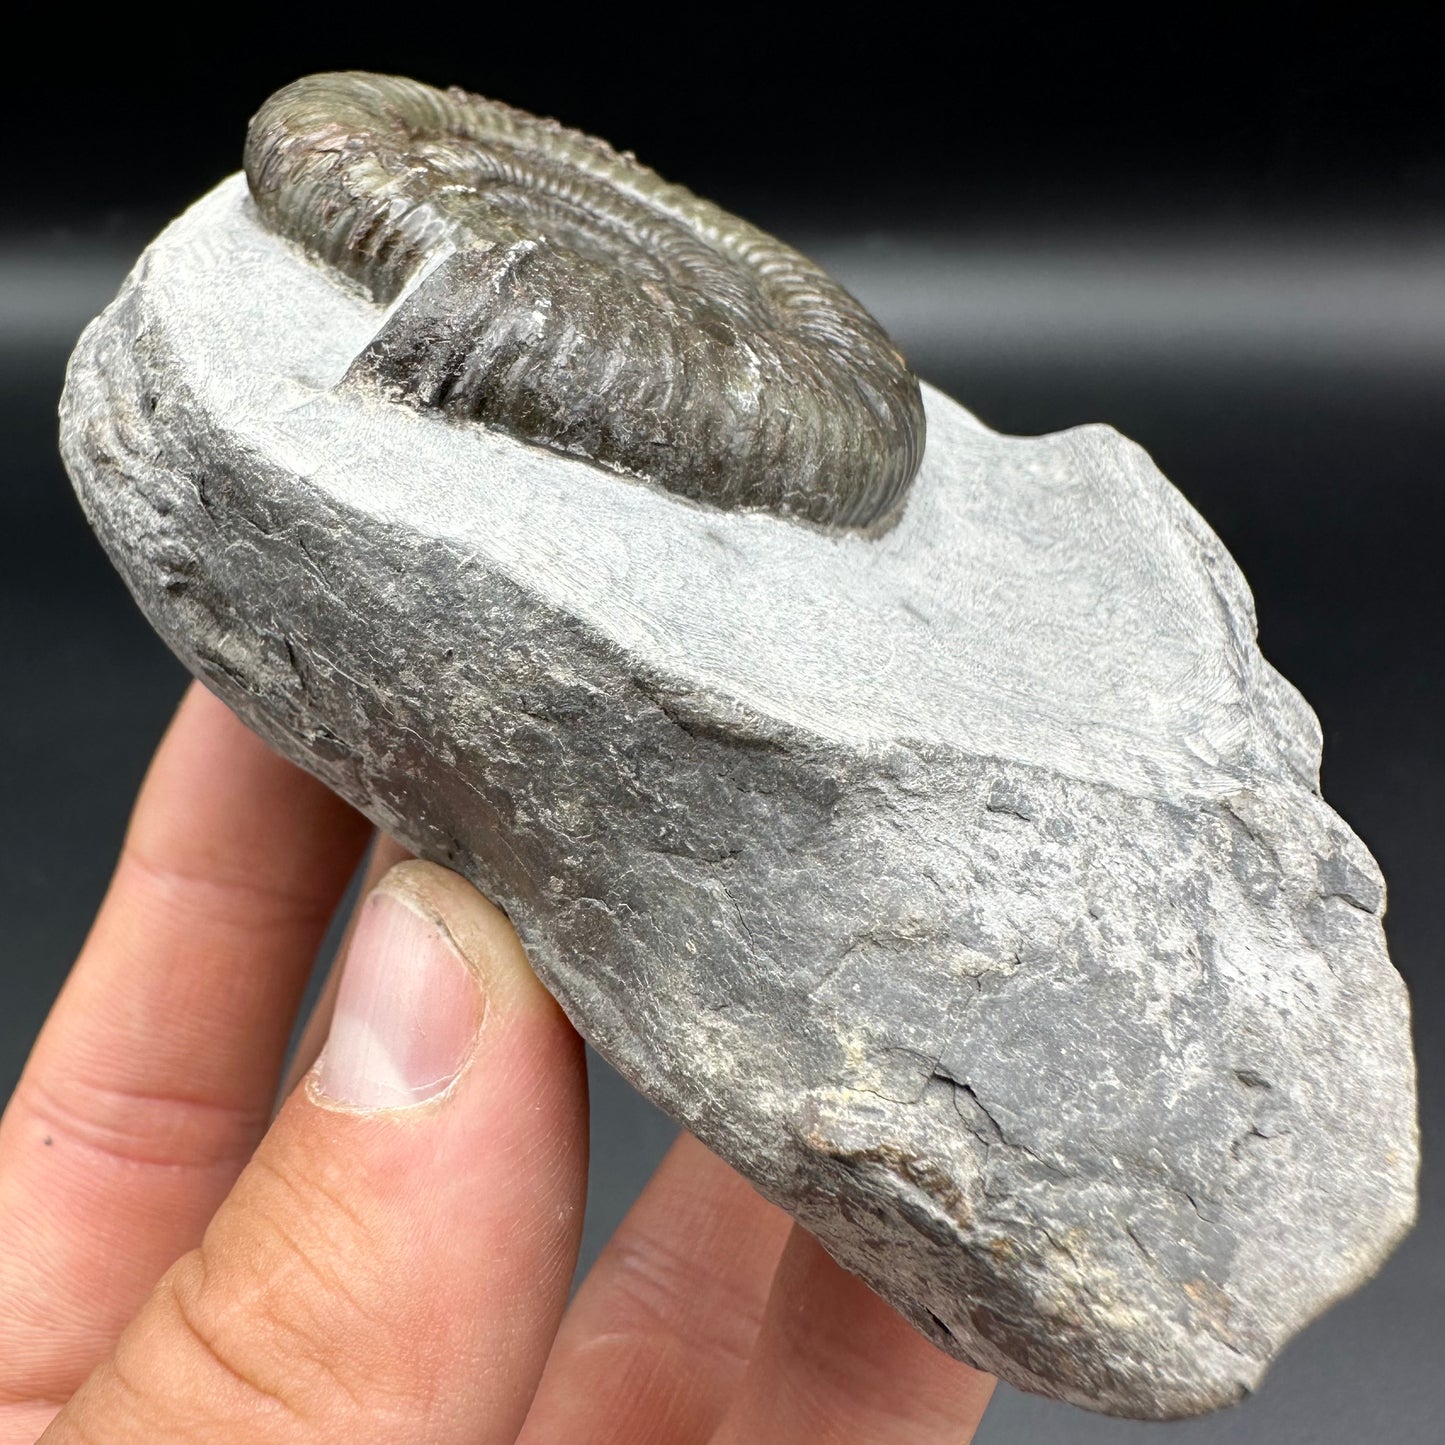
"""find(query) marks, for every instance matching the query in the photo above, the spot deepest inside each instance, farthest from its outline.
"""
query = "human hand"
(389, 1259)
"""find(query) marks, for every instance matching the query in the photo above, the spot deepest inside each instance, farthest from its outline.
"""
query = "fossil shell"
(967, 887)
(544, 284)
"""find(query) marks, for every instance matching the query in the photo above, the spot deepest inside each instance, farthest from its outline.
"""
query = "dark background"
(1224, 233)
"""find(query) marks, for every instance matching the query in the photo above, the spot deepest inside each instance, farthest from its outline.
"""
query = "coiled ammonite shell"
(957, 872)
(548, 286)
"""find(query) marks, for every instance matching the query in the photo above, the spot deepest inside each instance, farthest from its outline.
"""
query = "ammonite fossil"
(921, 827)
(560, 291)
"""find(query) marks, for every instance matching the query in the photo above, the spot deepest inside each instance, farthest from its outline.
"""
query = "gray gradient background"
(1283, 363)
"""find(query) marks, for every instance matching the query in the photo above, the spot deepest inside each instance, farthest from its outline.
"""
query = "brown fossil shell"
(544, 284)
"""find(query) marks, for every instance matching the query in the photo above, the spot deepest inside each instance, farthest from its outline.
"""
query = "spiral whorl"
(578, 301)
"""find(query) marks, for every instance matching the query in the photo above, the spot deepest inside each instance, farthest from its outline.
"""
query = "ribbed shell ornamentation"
(541, 283)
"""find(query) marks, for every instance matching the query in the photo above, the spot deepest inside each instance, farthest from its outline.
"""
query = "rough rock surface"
(967, 887)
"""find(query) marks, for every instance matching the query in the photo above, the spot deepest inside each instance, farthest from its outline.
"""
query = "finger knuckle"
(657, 1285)
(133, 1128)
(214, 1359)
(292, 1293)
(223, 896)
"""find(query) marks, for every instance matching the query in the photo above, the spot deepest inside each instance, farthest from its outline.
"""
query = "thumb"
(395, 1259)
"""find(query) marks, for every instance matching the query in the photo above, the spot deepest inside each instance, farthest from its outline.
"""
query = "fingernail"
(407, 1012)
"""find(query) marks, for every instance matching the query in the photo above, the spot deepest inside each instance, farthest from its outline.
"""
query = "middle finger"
(658, 1338)
(834, 1365)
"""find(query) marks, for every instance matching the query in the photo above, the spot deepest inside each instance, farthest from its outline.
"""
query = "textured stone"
(967, 887)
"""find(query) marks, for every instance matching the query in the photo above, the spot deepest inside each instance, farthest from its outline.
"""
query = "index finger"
(152, 1080)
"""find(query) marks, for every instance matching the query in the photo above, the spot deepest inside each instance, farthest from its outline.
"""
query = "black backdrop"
(1224, 235)
(858, 110)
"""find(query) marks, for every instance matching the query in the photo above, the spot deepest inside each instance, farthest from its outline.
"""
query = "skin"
(176, 1264)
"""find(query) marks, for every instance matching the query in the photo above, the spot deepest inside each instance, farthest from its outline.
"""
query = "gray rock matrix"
(967, 887)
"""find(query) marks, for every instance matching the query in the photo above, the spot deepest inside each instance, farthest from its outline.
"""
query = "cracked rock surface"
(967, 887)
